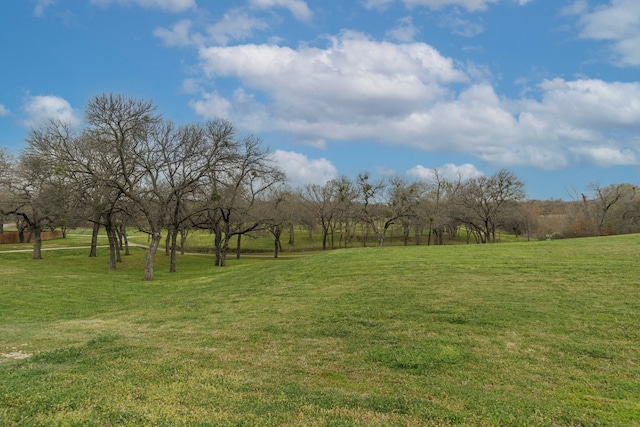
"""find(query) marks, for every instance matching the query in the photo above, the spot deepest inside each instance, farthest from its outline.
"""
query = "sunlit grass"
(540, 333)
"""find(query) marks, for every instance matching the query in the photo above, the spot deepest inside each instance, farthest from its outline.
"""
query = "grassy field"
(539, 333)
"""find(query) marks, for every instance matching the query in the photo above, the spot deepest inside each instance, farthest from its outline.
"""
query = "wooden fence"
(13, 237)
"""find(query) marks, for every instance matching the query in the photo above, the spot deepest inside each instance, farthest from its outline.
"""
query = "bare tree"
(6, 164)
(237, 185)
(605, 200)
(325, 203)
(385, 202)
(480, 202)
(37, 195)
(122, 131)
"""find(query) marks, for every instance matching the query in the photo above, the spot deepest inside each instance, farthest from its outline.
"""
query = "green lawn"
(539, 333)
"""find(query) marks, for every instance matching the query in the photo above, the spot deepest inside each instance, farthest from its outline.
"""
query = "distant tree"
(276, 211)
(521, 218)
(436, 206)
(605, 200)
(320, 202)
(6, 164)
(37, 195)
(481, 201)
(249, 174)
(384, 202)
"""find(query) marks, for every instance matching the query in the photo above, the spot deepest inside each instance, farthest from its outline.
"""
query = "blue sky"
(549, 89)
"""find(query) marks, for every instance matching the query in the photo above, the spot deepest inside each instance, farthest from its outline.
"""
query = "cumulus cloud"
(301, 170)
(617, 23)
(449, 172)
(178, 35)
(4, 111)
(234, 25)
(352, 81)
(39, 109)
(41, 5)
(471, 5)
(298, 8)
(606, 156)
(405, 31)
(458, 24)
(408, 94)
(166, 5)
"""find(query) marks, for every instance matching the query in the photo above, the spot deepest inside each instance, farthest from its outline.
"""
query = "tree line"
(127, 166)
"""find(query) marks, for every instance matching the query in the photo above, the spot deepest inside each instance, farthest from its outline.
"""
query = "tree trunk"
(277, 246)
(37, 242)
(118, 246)
(291, 234)
(173, 249)
(151, 253)
(123, 233)
(217, 245)
(325, 234)
(224, 249)
(238, 241)
(112, 248)
(93, 252)
(406, 230)
(183, 239)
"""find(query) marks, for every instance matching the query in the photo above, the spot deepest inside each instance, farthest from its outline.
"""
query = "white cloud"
(606, 156)
(4, 111)
(377, 4)
(405, 31)
(576, 8)
(301, 170)
(39, 109)
(589, 103)
(41, 5)
(461, 26)
(212, 106)
(470, 5)
(166, 5)
(408, 94)
(178, 35)
(298, 8)
(236, 24)
(353, 79)
(617, 23)
(450, 172)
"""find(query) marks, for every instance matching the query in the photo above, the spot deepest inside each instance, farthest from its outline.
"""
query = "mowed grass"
(540, 333)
